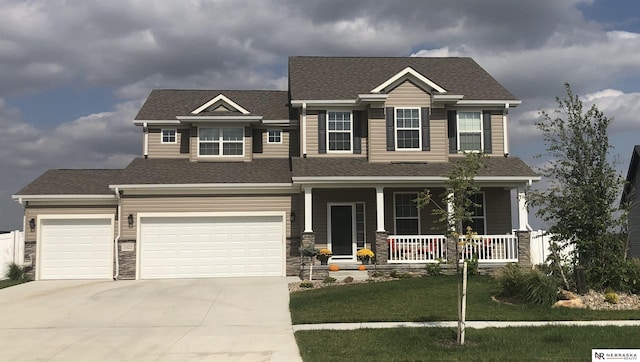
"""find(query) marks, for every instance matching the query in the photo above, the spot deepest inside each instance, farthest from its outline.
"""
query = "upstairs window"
(218, 141)
(339, 131)
(169, 136)
(274, 136)
(408, 128)
(406, 215)
(470, 131)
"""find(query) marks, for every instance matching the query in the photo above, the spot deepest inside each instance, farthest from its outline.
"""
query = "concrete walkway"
(219, 319)
(469, 324)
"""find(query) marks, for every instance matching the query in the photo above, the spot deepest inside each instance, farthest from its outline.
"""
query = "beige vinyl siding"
(201, 203)
(157, 149)
(35, 211)
(497, 134)
(497, 210)
(312, 139)
(195, 146)
(274, 150)
(378, 140)
(408, 94)
(322, 197)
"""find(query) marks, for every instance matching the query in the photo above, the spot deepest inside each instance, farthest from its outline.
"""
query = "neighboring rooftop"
(325, 78)
(72, 182)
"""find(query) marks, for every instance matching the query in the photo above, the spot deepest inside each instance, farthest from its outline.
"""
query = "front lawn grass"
(425, 299)
(549, 343)
(8, 283)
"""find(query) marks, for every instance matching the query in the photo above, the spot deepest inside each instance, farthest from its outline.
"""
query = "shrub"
(472, 265)
(306, 284)
(434, 269)
(611, 298)
(329, 280)
(15, 272)
(348, 280)
(527, 286)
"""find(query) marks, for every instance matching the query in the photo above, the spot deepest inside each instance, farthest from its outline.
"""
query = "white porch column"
(450, 207)
(380, 208)
(505, 128)
(308, 206)
(523, 214)
(304, 129)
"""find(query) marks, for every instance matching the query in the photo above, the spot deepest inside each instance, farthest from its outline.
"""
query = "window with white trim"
(477, 210)
(274, 136)
(339, 131)
(220, 141)
(470, 131)
(407, 218)
(169, 136)
(408, 128)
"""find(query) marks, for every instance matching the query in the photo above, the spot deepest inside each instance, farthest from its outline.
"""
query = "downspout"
(145, 149)
(505, 128)
(304, 130)
(117, 240)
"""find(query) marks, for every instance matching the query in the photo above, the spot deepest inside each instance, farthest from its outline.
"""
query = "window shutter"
(322, 131)
(184, 141)
(256, 140)
(486, 129)
(391, 139)
(426, 128)
(357, 132)
(452, 133)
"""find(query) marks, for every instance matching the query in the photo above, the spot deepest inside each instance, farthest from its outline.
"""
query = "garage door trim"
(142, 215)
(43, 217)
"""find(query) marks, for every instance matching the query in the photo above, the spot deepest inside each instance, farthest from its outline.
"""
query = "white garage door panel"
(175, 247)
(76, 249)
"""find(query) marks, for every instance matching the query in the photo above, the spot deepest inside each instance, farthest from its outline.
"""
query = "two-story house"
(232, 182)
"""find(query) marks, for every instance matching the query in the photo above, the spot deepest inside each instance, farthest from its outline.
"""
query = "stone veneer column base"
(524, 248)
(127, 259)
(308, 240)
(452, 258)
(381, 247)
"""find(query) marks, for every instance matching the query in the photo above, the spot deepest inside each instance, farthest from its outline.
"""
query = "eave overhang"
(209, 188)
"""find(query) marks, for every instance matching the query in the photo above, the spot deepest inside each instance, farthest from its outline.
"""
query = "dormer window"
(339, 131)
(408, 129)
(169, 136)
(220, 141)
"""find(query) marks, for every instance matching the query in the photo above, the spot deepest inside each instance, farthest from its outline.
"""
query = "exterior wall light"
(292, 217)
(130, 220)
(32, 224)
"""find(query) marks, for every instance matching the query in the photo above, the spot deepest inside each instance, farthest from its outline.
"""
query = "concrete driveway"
(222, 319)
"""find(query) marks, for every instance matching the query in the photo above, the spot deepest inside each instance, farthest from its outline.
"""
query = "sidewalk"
(468, 324)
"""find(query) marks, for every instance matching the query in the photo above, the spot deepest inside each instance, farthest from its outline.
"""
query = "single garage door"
(203, 247)
(76, 249)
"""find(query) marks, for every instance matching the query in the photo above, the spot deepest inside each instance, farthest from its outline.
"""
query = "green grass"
(425, 299)
(551, 343)
(8, 283)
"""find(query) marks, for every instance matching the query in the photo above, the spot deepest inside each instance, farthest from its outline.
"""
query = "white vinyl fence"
(540, 240)
(11, 250)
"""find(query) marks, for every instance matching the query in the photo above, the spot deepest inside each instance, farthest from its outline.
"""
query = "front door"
(346, 230)
(341, 231)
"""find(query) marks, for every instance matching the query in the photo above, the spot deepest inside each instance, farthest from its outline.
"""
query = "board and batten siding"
(157, 149)
(194, 147)
(33, 212)
(200, 203)
(312, 138)
(274, 150)
(497, 134)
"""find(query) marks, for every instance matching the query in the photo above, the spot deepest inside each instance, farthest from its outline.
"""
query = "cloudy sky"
(74, 73)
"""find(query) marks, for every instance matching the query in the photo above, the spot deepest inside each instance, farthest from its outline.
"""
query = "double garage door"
(169, 247)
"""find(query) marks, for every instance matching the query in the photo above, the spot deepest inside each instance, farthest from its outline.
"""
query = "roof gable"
(408, 73)
(220, 101)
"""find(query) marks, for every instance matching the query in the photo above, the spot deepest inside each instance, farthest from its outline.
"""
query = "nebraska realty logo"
(615, 354)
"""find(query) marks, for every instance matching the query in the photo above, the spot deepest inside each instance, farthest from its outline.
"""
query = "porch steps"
(355, 274)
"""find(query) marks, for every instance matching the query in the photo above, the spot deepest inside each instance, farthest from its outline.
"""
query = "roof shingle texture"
(325, 78)
(166, 104)
(72, 182)
(360, 167)
(182, 171)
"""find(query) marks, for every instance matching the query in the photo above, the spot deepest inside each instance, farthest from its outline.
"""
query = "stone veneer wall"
(30, 253)
(524, 248)
(293, 256)
(127, 259)
(381, 248)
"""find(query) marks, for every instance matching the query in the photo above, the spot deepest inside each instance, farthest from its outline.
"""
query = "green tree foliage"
(578, 204)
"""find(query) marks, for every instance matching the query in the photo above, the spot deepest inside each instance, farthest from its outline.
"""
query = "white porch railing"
(491, 248)
(407, 249)
(416, 248)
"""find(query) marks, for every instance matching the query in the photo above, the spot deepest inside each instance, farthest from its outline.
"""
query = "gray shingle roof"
(328, 167)
(326, 78)
(72, 182)
(182, 171)
(166, 104)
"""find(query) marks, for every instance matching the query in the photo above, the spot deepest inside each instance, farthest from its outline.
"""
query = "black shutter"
(256, 140)
(357, 132)
(184, 141)
(426, 128)
(486, 129)
(452, 132)
(322, 131)
(391, 137)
